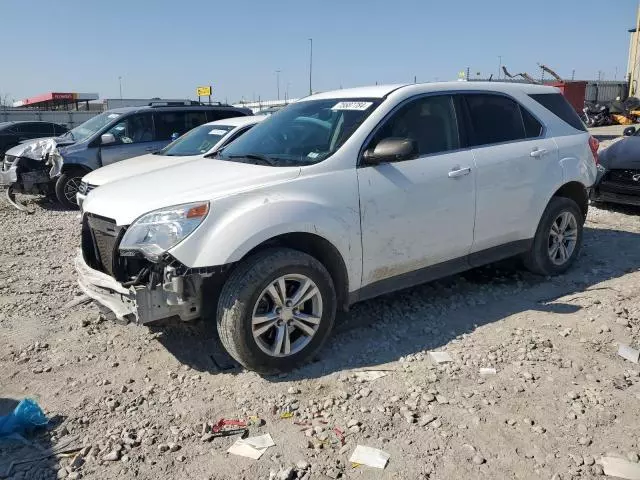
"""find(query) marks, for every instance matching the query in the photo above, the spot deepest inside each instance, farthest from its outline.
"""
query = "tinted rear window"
(558, 105)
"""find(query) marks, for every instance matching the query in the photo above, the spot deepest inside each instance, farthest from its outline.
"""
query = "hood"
(202, 179)
(624, 154)
(41, 149)
(134, 166)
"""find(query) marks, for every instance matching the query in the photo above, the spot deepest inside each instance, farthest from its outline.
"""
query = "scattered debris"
(369, 456)
(621, 468)
(252, 447)
(25, 417)
(440, 357)
(629, 353)
(370, 375)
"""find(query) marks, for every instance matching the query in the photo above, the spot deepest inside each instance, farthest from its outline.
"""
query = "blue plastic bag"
(24, 418)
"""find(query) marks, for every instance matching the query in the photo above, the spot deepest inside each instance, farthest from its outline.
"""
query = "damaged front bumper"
(140, 303)
(9, 177)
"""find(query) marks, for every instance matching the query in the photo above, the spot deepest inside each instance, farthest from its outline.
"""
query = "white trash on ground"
(252, 447)
(440, 357)
(372, 457)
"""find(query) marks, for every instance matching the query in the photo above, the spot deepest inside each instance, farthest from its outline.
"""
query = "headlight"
(156, 232)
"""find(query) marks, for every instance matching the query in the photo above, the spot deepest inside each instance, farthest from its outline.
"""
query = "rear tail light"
(593, 145)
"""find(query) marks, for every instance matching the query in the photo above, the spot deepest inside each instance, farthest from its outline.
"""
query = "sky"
(166, 49)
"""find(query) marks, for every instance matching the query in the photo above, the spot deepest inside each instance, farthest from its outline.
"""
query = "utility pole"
(573, 74)
(310, 64)
(499, 65)
(278, 82)
(120, 83)
(415, 79)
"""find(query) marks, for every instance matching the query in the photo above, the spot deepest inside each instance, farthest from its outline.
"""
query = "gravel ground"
(141, 401)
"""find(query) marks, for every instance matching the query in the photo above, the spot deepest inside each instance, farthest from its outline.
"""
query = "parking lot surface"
(141, 399)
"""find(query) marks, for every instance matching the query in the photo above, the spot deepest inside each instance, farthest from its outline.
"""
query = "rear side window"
(168, 123)
(495, 119)
(42, 128)
(559, 106)
(532, 127)
(60, 129)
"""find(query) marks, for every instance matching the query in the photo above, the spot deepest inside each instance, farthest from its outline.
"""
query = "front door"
(418, 213)
(134, 136)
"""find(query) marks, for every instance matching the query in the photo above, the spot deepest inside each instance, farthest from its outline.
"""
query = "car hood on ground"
(203, 179)
(134, 166)
(624, 154)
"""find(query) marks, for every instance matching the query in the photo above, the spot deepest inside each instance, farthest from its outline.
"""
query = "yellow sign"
(203, 91)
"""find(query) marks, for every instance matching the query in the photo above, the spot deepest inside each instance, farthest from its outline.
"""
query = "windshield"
(196, 141)
(303, 133)
(91, 126)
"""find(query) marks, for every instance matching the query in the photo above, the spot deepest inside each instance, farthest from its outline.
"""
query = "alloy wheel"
(287, 315)
(563, 238)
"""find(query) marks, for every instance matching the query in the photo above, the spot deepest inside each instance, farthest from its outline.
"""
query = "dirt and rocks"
(141, 401)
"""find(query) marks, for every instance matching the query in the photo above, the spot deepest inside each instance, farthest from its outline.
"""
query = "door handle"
(538, 152)
(459, 172)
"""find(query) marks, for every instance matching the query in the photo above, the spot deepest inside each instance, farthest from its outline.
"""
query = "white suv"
(337, 198)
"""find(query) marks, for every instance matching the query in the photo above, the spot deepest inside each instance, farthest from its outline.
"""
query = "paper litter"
(369, 456)
(252, 447)
(440, 357)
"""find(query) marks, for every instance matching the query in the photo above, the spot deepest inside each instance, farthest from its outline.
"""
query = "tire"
(67, 186)
(540, 259)
(245, 293)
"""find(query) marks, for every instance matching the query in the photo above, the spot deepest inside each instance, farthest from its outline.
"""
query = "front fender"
(231, 231)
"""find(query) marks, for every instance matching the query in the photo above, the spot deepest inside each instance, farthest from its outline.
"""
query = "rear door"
(134, 136)
(515, 162)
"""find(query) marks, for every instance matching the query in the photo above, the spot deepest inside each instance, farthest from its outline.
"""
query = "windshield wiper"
(256, 156)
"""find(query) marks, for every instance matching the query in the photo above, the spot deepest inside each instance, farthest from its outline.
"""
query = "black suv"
(12, 133)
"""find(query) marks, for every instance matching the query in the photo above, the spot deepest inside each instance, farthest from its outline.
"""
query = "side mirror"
(629, 131)
(390, 150)
(107, 139)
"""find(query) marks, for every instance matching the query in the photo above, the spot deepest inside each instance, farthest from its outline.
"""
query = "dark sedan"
(12, 133)
(619, 171)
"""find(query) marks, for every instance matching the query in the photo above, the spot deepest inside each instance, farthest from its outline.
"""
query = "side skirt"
(440, 270)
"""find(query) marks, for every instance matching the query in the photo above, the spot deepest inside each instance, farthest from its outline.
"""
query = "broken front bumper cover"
(137, 303)
(8, 177)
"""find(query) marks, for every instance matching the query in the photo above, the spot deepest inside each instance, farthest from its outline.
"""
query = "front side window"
(495, 119)
(92, 126)
(429, 121)
(303, 133)
(197, 141)
(133, 129)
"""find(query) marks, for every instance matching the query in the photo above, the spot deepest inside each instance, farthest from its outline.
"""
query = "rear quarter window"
(558, 105)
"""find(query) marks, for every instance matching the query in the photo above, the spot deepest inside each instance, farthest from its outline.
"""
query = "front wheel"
(558, 239)
(276, 309)
(67, 187)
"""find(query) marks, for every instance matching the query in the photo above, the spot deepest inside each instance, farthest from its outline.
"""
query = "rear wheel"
(67, 187)
(558, 239)
(276, 310)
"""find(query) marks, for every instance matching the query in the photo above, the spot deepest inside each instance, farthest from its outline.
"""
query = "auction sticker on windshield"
(351, 105)
(217, 132)
(113, 115)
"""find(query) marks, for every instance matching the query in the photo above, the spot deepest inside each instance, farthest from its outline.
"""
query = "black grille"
(621, 181)
(101, 237)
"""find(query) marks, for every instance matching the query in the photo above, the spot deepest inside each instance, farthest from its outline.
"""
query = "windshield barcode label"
(351, 105)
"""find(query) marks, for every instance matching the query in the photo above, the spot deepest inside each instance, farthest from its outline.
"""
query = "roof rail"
(186, 103)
